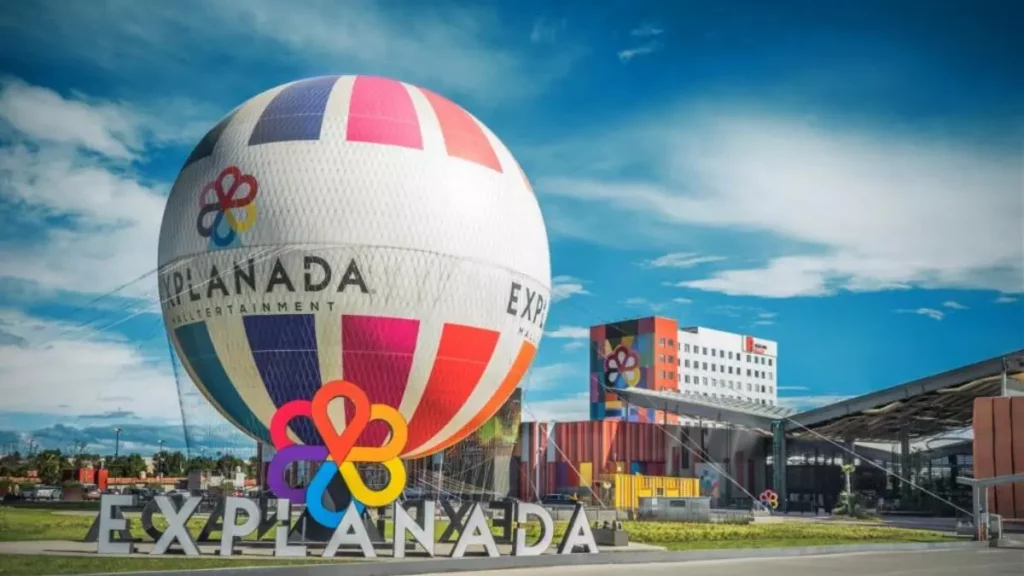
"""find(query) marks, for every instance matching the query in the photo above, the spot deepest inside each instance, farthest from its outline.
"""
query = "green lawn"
(24, 524)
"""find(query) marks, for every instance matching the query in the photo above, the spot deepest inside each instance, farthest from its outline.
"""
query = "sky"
(845, 178)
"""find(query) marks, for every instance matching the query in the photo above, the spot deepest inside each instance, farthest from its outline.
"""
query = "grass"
(25, 524)
(27, 565)
(678, 536)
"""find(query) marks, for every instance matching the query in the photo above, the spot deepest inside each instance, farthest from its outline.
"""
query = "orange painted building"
(638, 353)
(999, 450)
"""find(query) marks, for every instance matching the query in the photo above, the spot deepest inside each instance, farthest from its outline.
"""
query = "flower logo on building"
(622, 368)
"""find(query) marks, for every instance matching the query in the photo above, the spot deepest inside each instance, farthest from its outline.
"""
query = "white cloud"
(113, 129)
(565, 287)
(638, 302)
(793, 388)
(836, 202)
(681, 260)
(569, 332)
(90, 373)
(954, 305)
(574, 345)
(801, 403)
(550, 376)
(928, 312)
(646, 30)
(566, 409)
(641, 50)
(545, 30)
(682, 301)
(1004, 299)
(69, 159)
(767, 315)
(452, 51)
(763, 322)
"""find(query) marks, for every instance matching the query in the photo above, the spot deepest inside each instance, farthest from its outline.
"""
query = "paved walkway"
(986, 561)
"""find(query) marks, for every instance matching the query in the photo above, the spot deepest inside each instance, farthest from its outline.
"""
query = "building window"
(686, 362)
(705, 350)
(721, 368)
(671, 342)
(671, 359)
(687, 378)
(748, 358)
(686, 348)
(771, 375)
(730, 355)
(713, 368)
(771, 390)
(661, 341)
(661, 357)
(769, 361)
(730, 369)
(748, 386)
(703, 365)
(762, 388)
(704, 380)
(748, 371)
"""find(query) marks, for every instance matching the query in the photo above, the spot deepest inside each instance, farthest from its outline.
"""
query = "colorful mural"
(622, 356)
(639, 353)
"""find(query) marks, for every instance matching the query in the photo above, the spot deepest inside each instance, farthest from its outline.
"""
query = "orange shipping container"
(999, 450)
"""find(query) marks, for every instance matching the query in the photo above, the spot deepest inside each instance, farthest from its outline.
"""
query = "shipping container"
(629, 488)
(999, 450)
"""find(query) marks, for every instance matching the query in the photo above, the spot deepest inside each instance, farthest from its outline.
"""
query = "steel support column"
(906, 490)
(779, 457)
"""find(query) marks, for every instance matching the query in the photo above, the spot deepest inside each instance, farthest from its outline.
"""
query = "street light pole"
(160, 455)
(117, 441)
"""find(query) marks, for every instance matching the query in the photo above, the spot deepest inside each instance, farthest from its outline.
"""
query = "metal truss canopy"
(737, 412)
(922, 408)
(925, 407)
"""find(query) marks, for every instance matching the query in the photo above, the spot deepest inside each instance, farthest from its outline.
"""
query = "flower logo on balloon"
(226, 207)
(340, 454)
(622, 368)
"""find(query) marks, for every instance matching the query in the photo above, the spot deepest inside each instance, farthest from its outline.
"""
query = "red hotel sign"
(751, 345)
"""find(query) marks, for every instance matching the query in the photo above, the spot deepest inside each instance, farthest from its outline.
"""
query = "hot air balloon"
(357, 228)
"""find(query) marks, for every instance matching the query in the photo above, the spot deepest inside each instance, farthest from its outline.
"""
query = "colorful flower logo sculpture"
(340, 455)
(769, 498)
(622, 365)
(228, 198)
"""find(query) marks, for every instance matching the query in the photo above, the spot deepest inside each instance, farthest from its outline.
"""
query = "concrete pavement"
(986, 561)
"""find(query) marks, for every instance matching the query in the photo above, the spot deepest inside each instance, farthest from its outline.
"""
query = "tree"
(200, 463)
(250, 468)
(14, 464)
(130, 466)
(227, 463)
(173, 463)
(84, 459)
(48, 465)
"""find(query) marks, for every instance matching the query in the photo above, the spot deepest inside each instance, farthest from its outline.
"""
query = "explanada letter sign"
(349, 527)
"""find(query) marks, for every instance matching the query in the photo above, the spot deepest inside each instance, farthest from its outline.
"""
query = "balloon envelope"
(361, 228)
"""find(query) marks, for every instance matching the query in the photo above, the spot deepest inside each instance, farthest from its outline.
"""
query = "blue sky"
(842, 177)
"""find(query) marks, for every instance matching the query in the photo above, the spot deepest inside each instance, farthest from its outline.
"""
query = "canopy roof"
(927, 406)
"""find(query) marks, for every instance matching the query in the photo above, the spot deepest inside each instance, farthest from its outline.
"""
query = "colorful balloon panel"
(354, 228)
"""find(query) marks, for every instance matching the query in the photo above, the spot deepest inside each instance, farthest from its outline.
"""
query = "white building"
(719, 364)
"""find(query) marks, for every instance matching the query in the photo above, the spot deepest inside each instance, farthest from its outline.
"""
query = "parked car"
(44, 492)
(90, 492)
(558, 500)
